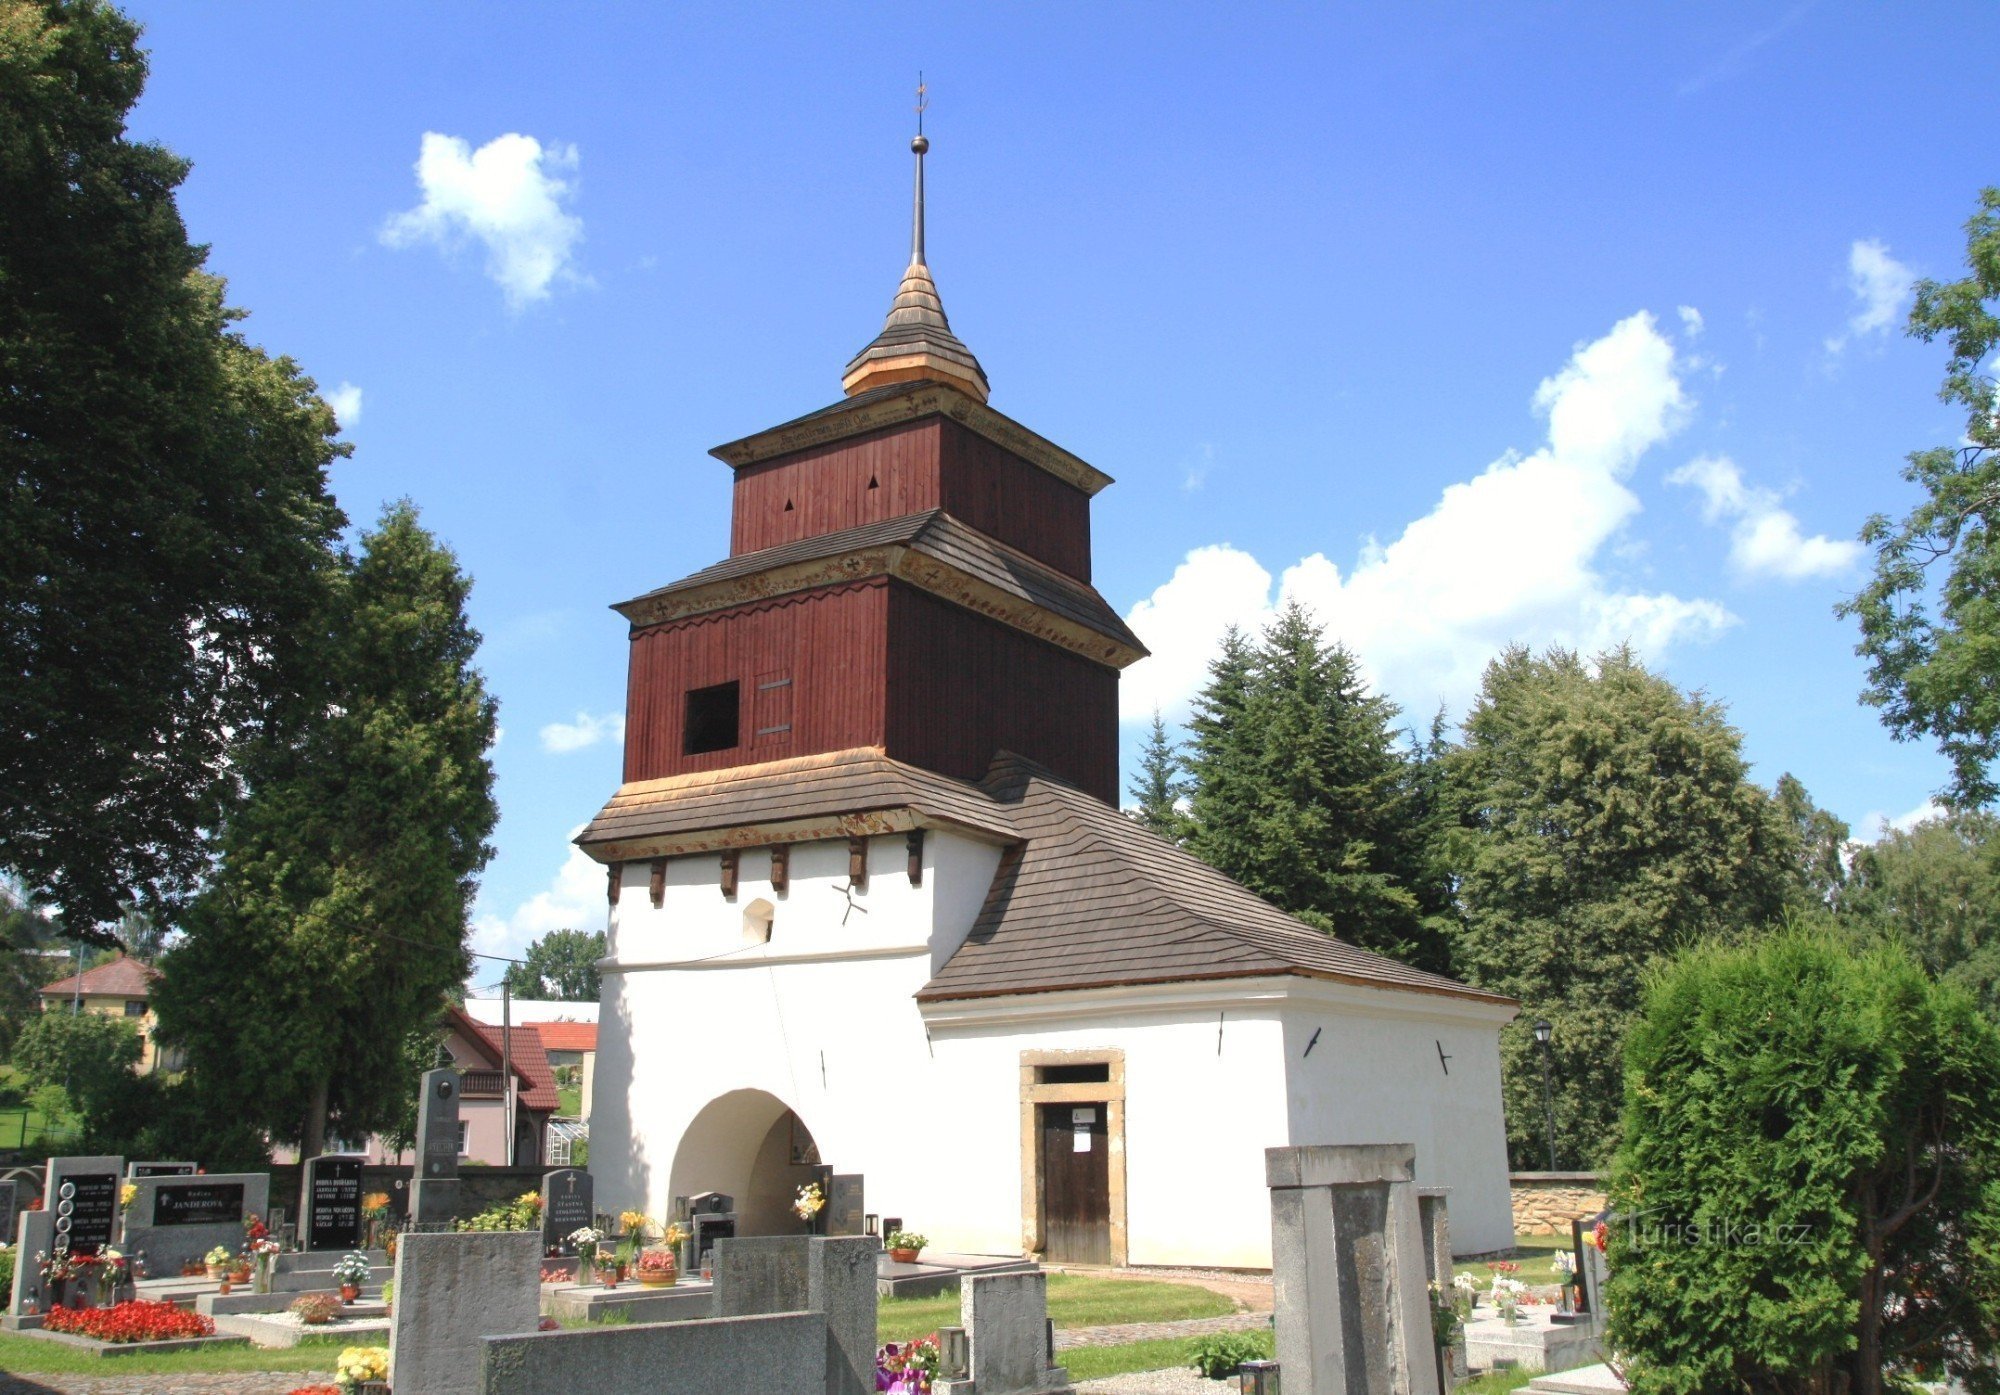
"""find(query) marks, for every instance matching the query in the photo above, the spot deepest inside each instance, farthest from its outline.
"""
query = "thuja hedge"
(1808, 1185)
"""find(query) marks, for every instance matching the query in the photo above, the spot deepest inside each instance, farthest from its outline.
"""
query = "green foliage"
(7, 1267)
(1810, 1175)
(1607, 820)
(1299, 793)
(1936, 888)
(1220, 1353)
(89, 1056)
(1160, 785)
(1819, 846)
(561, 966)
(164, 514)
(524, 1212)
(579, 1153)
(27, 964)
(1929, 640)
(336, 924)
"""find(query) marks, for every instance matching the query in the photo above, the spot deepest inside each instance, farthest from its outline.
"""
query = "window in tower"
(711, 719)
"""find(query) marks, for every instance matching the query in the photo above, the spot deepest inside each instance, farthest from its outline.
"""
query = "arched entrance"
(749, 1144)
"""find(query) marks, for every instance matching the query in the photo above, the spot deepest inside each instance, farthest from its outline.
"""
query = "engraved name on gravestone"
(83, 1194)
(199, 1203)
(844, 1204)
(161, 1169)
(333, 1202)
(437, 1123)
(568, 1205)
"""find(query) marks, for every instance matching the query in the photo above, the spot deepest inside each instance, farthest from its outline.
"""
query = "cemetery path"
(1148, 1331)
(192, 1383)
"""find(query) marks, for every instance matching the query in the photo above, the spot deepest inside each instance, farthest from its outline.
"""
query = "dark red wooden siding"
(830, 642)
(827, 487)
(961, 687)
(1022, 505)
(915, 466)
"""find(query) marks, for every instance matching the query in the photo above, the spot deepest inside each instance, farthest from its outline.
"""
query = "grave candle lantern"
(1257, 1378)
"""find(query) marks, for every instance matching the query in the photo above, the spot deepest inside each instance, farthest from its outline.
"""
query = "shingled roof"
(1090, 899)
(123, 977)
(933, 535)
(843, 793)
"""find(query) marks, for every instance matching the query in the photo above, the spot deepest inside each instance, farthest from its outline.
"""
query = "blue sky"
(1557, 323)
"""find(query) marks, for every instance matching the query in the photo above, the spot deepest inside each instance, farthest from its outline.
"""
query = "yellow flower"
(127, 1194)
(635, 1222)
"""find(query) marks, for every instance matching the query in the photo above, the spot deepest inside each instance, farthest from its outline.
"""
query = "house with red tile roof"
(122, 987)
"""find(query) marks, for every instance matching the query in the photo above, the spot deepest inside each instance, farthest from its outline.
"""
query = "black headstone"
(161, 1169)
(199, 1203)
(333, 1203)
(437, 1125)
(844, 1210)
(86, 1207)
(568, 1205)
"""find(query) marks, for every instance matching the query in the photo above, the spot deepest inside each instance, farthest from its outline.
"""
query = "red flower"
(130, 1322)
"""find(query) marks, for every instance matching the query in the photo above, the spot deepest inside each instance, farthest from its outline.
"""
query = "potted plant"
(585, 1239)
(315, 1309)
(362, 1369)
(375, 1212)
(904, 1245)
(351, 1273)
(218, 1261)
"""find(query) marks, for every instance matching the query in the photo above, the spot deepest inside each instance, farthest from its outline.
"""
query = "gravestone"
(1348, 1271)
(845, 1213)
(452, 1290)
(176, 1220)
(135, 1171)
(333, 1202)
(1006, 1318)
(568, 1205)
(711, 1217)
(1433, 1217)
(10, 1204)
(765, 1274)
(434, 1192)
(37, 1236)
(840, 1282)
(1592, 1270)
(82, 1193)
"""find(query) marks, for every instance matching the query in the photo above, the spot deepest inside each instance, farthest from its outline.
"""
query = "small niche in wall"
(757, 917)
(1086, 1073)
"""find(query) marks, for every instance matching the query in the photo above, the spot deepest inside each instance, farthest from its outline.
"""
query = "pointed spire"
(916, 342)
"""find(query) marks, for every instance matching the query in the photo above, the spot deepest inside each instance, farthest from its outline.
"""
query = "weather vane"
(922, 101)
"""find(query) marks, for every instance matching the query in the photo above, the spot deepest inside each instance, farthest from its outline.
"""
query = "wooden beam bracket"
(857, 863)
(613, 880)
(730, 857)
(781, 867)
(915, 843)
(657, 885)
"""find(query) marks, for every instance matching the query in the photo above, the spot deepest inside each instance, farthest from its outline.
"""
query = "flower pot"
(905, 1256)
(217, 1271)
(349, 1292)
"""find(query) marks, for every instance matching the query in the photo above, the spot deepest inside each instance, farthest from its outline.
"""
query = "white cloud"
(560, 738)
(346, 403)
(1880, 284)
(1766, 539)
(509, 195)
(573, 900)
(1509, 555)
(1877, 825)
(1692, 323)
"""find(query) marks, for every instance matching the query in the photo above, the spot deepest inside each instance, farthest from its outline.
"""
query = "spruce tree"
(1300, 793)
(336, 923)
(1160, 785)
(1608, 820)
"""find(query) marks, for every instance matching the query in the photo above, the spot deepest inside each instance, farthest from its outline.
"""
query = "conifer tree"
(1160, 785)
(1300, 793)
(336, 923)
(1608, 820)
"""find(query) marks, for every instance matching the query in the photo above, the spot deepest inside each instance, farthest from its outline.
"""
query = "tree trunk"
(311, 1144)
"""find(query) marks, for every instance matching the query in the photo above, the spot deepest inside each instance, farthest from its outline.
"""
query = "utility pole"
(507, 1065)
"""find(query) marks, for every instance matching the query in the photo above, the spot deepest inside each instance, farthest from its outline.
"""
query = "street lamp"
(1543, 1032)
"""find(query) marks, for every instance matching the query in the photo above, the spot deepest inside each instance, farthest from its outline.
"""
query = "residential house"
(121, 988)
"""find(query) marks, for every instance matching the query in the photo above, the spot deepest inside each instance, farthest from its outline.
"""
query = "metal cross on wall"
(852, 905)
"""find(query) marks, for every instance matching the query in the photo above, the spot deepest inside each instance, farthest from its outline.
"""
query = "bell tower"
(909, 570)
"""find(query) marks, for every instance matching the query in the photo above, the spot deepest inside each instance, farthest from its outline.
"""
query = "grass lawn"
(1536, 1254)
(1074, 1301)
(569, 1102)
(32, 1356)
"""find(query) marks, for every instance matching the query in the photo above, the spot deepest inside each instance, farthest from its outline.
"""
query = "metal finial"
(919, 145)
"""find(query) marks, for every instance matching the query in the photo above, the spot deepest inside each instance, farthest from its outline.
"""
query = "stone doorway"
(750, 1145)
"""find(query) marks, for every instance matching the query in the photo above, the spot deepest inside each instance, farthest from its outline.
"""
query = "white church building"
(873, 906)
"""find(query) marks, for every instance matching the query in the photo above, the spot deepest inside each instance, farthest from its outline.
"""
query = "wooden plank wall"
(961, 686)
(830, 641)
(916, 466)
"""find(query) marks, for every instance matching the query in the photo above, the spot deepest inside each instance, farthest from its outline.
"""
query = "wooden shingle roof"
(1090, 899)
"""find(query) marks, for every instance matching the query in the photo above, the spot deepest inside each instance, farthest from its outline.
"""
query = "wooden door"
(1076, 1183)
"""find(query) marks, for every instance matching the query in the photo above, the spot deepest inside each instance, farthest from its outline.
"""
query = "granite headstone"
(452, 1291)
(434, 1191)
(177, 1220)
(161, 1169)
(83, 1195)
(37, 1235)
(333, 1202)
(844, 1209)
(568, 1205)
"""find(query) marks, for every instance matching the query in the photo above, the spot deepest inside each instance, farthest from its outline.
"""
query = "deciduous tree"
(561, 965)
(1930, 615)
(1607, 820)
(1936, 888)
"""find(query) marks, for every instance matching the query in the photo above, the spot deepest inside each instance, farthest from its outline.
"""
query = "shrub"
(524, 1212)
(130, 1322)
(1809, 1175)
(6, 1268)
(1219, 1354)
(312, 1309)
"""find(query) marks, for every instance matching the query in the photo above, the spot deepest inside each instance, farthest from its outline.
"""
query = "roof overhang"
(910, 402)
(1221, 992)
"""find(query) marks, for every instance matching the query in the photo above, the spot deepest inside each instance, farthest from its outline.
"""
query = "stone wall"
(1546, 1202)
